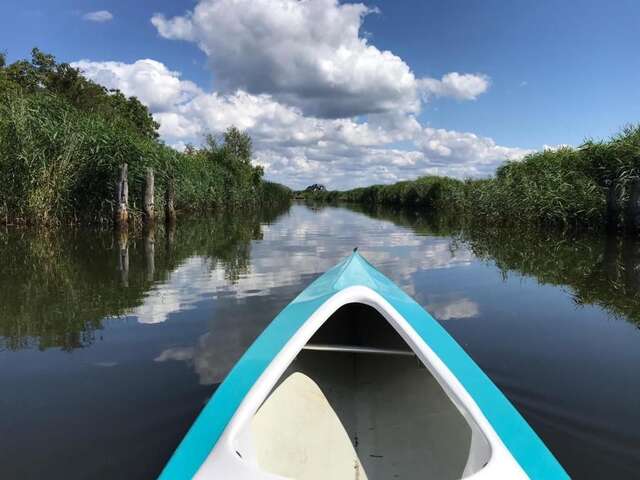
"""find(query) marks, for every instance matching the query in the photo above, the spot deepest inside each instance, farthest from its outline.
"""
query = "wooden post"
(170, 235)
(150, 251)
(123, 256)
(633, 209)
(609, 257)
(122, 199)
(169, 243)
(149, 202)
(613, 206)
(631, 265)
(169, 201)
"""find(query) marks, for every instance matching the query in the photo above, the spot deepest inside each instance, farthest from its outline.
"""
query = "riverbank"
(64, 139)
(594, 186)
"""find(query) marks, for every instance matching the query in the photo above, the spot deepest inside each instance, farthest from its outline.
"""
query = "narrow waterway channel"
(110, 347)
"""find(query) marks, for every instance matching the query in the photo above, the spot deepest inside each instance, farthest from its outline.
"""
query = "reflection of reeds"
(602, 269)
(56, 286)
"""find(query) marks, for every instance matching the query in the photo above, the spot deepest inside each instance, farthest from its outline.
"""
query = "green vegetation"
(589, 186)
(602, 270)
(221, 174)
(64, 137)
(565, 186)
(61, 284)
(425, 193)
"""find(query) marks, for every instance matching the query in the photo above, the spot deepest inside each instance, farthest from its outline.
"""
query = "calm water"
(110, 347)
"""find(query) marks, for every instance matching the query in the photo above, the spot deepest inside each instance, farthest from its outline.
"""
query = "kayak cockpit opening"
(358, 403)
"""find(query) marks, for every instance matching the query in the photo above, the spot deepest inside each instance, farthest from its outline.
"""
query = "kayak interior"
(357, 403)
(330, 389)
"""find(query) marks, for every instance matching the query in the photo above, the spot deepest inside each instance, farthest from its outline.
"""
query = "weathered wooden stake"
(633, 209)
(170, 240)
(613, 206)
(149, 202)
(150, 252)
(631, 264)
(609, 257)
(169, 201)
(123, 256)
(122, 199)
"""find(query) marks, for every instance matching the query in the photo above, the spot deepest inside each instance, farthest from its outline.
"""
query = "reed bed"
(591, 186)
(63, 139)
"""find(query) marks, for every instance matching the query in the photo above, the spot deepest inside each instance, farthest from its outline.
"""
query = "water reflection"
(211, 358)
(164, 315)
(447, 309)
(599, 269)
(56, 288)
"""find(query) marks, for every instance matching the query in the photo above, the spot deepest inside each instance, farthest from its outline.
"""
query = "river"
(109, 347)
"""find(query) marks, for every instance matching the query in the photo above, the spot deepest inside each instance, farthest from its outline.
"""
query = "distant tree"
(44, 63)
(44, 74)
(190, 150)
(237, 144)
(5, 83)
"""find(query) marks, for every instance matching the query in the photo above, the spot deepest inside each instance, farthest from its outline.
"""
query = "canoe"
(355, 380)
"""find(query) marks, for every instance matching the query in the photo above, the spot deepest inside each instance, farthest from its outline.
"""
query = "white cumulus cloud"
(321, 103)
(308, 54)
(463, 154)
(467, 86)
(298, 149)
(152, 82)
(98, 16)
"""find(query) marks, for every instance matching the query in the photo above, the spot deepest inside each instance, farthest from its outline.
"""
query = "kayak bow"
(332, 389)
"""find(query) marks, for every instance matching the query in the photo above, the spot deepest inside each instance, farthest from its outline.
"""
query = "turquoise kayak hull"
(518, 437)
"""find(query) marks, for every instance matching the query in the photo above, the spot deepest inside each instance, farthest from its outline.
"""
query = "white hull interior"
(357, 404)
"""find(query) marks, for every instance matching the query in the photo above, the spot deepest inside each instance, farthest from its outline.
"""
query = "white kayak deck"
(358, 414)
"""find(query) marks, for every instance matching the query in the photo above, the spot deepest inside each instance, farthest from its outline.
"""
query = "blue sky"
(579, 60)
(529, 74)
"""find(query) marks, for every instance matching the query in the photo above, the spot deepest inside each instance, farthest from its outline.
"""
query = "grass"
(561, 188)
(63, 139)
